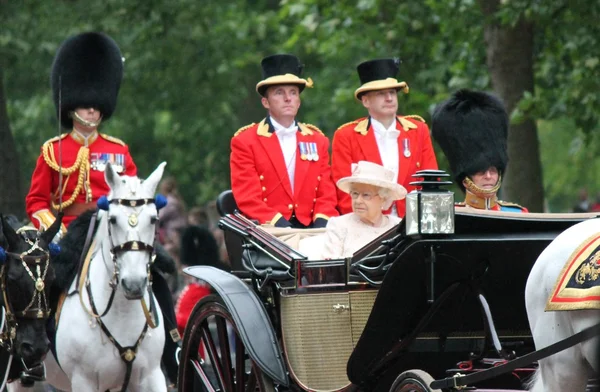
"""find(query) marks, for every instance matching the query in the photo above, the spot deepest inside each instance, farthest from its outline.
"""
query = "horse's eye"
(112, 220)
(154, 219)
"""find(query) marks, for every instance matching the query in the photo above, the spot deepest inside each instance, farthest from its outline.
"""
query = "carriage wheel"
(413, 381)
(213, 357)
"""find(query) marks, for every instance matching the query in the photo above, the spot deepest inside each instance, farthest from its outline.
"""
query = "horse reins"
(127, 354)
(39, 265)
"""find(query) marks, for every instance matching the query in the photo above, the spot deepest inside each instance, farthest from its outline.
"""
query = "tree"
(510, 60)
(10, 197)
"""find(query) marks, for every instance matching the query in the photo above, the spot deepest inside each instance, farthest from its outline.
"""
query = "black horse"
(26, 276)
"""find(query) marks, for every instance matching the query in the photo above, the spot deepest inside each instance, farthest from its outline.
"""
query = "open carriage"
(441, 303)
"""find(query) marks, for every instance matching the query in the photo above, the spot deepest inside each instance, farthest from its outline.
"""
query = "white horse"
(567, 370)
(89, 359)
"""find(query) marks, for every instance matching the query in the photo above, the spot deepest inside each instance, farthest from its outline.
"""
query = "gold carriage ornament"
(430, 210)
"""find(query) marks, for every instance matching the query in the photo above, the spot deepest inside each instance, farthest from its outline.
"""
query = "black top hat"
(379, 74)
(472, 129)
(86, 72)
(281, 69)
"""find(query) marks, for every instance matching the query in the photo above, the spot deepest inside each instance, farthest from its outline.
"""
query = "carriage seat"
(226, 203)
(306, 241)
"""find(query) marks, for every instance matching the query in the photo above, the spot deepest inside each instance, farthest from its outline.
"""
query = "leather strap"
(86, 249)
(458, 380)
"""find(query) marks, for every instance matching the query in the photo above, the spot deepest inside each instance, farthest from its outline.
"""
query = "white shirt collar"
(380, 129)
(278, 127)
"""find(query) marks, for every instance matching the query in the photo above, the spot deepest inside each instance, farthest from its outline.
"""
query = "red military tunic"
(261, 184)
(83, 175)
(355, 141)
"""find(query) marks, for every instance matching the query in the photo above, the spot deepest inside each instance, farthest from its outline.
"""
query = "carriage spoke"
(223, 340)
(202, 375)
(240, 364)
(213, 355)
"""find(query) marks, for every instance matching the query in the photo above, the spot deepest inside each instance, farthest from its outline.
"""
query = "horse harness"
(37, 269)
(128, 353)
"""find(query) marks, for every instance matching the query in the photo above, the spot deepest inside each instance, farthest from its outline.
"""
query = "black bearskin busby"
(199, 247)
(86, 72)
(472, 129)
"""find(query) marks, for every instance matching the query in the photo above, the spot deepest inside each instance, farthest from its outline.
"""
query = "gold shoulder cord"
(82, 163)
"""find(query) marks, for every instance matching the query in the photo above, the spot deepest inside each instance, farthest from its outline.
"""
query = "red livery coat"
(83, 174)
(355, 141)
(261, 184)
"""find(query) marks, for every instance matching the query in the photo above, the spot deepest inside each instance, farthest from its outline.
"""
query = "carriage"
(408, 308)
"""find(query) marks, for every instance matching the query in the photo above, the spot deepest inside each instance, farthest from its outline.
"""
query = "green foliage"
(191, 68)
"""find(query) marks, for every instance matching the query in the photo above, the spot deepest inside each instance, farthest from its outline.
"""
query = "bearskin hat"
(199, 247)
(472, 129)
(86, 72)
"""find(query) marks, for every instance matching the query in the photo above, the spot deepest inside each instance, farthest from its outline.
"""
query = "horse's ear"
(154, 178)
(111, 176)
(6, 231)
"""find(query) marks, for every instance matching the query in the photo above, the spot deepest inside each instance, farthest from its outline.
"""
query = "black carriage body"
(400, 303)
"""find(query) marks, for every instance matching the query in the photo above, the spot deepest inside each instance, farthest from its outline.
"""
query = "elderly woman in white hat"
(372, 189)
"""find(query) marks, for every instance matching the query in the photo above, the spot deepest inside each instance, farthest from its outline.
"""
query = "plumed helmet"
(199, 247)
(86, 72)
(472, 129)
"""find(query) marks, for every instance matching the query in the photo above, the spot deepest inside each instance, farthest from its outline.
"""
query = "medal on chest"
(98, 161)
(406, 144)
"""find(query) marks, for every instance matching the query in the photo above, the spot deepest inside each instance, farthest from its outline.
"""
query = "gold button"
(314, 200)
(262, 177)
(316, 188)
(296, 205)
(319, 178)
(311, 211)
(418, 164)
(265, 199)
(291, 206)
(264, 189)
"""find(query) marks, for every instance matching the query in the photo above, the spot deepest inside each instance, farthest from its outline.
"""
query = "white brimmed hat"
(370, 173)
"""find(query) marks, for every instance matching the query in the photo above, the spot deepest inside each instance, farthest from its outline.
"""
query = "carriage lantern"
(430, 210)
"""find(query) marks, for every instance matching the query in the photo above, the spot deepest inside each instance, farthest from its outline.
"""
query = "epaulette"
(509, 204)
(348, 123)
(56, 138)
(112, 139)
(415, 116)
(313, 127)
(242, 129)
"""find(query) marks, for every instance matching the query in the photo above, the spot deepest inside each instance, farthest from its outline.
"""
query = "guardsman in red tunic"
(280, 171)
(86, 77)
(472, 129)
(88, 82)
(399, 143)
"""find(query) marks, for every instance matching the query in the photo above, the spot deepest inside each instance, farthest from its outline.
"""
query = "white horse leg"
(154, 382)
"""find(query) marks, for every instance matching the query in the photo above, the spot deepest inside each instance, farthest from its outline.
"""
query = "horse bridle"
(38, 264)
(138, 246)
(127, 353)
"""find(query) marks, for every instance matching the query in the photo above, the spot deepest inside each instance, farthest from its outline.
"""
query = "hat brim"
(262, 86)
(381, 85)
(397, 191)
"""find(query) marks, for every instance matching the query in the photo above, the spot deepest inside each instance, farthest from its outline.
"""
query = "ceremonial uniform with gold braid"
(83, 163)
(355, 141)
(260, 178)
(261, 184)
(471, 127)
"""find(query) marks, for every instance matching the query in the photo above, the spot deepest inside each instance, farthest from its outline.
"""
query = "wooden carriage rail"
(459, 380)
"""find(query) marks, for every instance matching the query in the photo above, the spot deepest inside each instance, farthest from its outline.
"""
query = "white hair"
(386, 197)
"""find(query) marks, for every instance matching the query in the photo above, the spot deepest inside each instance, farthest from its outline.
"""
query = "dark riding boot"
(172, 341)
